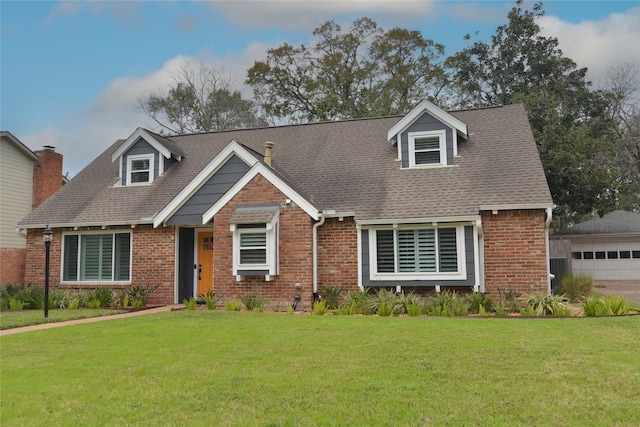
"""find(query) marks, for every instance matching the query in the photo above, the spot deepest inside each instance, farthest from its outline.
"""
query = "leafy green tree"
(571, 122)
(362, 71)
(201, 100)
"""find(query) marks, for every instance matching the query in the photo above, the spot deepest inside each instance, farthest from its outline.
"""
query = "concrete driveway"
(629, 289)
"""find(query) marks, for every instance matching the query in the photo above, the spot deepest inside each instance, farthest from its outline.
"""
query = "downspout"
(547, 225)
(21, 232)
(480, 248)
(315, 253)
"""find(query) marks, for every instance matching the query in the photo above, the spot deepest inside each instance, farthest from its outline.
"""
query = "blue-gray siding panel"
(140, 147)
(470, 264)
(426, 122)
(191, 212)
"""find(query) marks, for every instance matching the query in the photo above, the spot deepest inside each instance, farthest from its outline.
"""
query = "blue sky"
(72, 72)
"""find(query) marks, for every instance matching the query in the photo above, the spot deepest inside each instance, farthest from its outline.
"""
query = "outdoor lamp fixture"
(47, 236)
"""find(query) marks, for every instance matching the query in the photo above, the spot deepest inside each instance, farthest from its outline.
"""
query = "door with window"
(204, 272)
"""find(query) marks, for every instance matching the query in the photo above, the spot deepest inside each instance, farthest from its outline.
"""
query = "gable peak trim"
(427, 106)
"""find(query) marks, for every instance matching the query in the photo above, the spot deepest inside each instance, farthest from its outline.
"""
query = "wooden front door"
(205, 262)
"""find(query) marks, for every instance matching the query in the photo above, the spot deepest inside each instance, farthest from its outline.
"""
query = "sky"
(72, 72)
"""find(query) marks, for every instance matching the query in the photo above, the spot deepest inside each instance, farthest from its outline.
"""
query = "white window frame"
(131, 159)
(79, 252)
(461, 274)
(271, 264)
(412, 136)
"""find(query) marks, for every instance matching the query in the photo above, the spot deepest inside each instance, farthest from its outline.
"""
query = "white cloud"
(598, 45)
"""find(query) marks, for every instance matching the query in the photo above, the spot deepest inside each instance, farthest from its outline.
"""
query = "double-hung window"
(140, 169)
(93, 257)
(417, 253)
(255, 241)
(427, 148)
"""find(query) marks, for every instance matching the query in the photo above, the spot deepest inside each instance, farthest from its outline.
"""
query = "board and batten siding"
(16, 193)
(470, 266)
(425, 123)
(190, 213)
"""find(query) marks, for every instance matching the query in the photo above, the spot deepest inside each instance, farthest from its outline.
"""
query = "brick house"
(27, 178)
(421, 202)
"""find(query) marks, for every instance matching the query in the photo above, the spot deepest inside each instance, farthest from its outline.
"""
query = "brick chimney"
(47, 175)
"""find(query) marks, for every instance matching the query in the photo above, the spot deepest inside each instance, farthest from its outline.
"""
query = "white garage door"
(607, 260)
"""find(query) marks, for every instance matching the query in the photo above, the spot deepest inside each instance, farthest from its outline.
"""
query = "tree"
(201, 100)
(361, 72)
(571, 122)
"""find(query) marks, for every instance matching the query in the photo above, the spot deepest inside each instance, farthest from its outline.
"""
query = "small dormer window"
(427, 148)
(140, 169)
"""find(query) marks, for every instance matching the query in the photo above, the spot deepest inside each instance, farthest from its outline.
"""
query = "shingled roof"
(616, 222)
(347, 166)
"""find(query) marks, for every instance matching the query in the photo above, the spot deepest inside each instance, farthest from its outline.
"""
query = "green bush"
(11, 291)
(446, 303)
(104, 295)
(253, 302)
(616, 306)
(543, 303)
(233, 305)
(138, 296)
(332, 297)
(575, 287)
(414, 310)
(509, 299)
(94, 303)
(319, 307)
(34, 297)
(190, 303)
(16, 304)
(357, 302)
(386, 298)
(477, 300)
(408, 300)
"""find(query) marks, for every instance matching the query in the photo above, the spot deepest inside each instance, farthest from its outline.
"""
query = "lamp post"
(47, 236)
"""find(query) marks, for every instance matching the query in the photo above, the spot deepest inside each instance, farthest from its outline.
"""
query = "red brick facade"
(295, 250)
(515, 251)
(338, 254)
(12, 262)
(153, 261)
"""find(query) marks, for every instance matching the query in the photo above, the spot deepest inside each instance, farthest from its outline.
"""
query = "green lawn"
(18, 318)
(243, 368)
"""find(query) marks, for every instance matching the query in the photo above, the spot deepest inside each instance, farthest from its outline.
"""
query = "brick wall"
(153, 261)
(515, 251)
(338, 255)
(295, 255)
(47, 175)
(12, 262)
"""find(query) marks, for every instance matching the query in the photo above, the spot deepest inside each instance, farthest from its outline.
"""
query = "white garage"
(606, 248)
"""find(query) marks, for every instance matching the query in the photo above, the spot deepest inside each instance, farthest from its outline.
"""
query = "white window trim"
(113, 261)
(441, 134)
(271, 266)
(461, 274)
(132, 158)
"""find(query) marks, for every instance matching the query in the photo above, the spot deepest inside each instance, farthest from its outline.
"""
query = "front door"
(205, 262)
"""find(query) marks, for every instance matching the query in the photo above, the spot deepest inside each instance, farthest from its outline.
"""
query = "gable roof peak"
(427, 106)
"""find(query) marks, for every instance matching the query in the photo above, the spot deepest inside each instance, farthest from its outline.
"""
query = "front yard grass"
(18, 318)
(244, 368)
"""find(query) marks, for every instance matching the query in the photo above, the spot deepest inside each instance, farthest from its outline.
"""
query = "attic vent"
(268, 145)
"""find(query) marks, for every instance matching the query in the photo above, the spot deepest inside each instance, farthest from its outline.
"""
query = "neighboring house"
(606, 248)
(423, 202)
(27, 178)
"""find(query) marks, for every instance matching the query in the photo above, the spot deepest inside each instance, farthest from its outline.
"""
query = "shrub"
(477, 300)
(385, 309)
(510, 299)
(446, 303)
(34, 297)
(94, 303)
(319, 307)
(138, 296)
(209, 299)
(387, 298)
(543, 303)
(575, 287)
(11, 291)
(104, 295)
(16, 304)
(561, 309)
(408, 300)
(527, 311)
(190, 303)
(357, 301)
(253, 302)
(616, 305)
(233, 305)
(332, 297)
(414, 310)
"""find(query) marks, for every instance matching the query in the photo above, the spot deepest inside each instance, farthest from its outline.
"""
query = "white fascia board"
(515, 207)
(435, 111)
(139, 133)
(267, 173)
(19, 145)
(425, 220)
(233, 148)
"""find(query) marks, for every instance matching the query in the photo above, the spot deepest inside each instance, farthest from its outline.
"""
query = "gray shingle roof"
(346, 166)
(616, 222)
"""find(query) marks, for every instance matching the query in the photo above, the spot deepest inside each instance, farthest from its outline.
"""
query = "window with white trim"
(255, 249)
(140, 169)
(96, 257)
(427, 148)
(413, 253)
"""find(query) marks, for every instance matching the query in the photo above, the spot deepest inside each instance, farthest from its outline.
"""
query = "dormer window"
(427, 148)
(140, 169)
